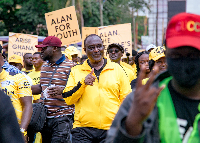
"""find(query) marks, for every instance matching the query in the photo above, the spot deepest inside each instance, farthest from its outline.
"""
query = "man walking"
(35, 74)
(18, 88)
(54, 74)
(97, 87)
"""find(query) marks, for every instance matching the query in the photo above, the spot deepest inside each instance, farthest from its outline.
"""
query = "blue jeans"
(57, 130)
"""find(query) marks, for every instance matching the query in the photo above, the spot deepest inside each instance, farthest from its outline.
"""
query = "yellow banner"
(64, 25)
(20, 44)
(120, 33)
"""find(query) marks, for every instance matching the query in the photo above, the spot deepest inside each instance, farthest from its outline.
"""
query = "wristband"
(22, 130)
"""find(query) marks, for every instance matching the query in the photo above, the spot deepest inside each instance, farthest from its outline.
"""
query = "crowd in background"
(152, 96)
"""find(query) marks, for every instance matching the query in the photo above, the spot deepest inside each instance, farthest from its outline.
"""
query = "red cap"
(50, 41)
(183, 30)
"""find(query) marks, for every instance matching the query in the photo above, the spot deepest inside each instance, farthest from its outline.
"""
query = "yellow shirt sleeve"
(24, 87)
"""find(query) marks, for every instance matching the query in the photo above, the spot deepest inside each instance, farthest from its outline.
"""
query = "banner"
(64, 25)
(20, 44)
(120, 33)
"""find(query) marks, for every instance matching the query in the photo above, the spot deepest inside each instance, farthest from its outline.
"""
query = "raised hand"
(54, 91)
(145, 98)
(90, 78)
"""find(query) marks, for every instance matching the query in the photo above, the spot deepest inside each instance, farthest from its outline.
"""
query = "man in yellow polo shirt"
(18, 89)
(116, 52)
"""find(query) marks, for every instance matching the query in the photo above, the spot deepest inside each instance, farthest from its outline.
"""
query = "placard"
(63, 24)
(20, 44)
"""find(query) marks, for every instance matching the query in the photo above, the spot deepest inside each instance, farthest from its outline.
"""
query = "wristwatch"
(22, 130)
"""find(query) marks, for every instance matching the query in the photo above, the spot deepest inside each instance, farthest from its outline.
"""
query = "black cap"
(116, 45)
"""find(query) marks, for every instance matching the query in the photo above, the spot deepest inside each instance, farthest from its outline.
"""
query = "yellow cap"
(15, 59)
(157, 53)
(71, 50)
(67, 55)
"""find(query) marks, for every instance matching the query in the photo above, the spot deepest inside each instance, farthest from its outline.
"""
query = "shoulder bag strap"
(51, 80)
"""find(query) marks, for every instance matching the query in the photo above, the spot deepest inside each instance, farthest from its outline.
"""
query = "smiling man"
(116, 52)
(97, 88)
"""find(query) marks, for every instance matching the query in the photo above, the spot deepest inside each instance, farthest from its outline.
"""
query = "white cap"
(151, 46)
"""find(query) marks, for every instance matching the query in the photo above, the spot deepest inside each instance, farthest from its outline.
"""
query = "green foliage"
(91, 15)
(114, 12)
(27, 16)
(24, 19)
(138, 4)
(31, 14)
(141, 29)
(56, 4)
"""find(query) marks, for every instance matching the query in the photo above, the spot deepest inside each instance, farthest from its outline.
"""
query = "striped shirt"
(56, 106)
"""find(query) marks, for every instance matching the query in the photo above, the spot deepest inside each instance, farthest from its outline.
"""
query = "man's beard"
(46, 58)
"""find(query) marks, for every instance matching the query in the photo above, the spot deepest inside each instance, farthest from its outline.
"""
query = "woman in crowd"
(157, 57)
(142, 58)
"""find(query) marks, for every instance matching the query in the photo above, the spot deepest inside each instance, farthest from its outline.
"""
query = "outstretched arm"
(128, 125)
(143, 103)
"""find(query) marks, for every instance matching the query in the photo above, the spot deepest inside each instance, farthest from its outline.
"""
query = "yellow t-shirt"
(35, 76)
(15, 87)
(129, 73)
(135, 69)
(27, 71)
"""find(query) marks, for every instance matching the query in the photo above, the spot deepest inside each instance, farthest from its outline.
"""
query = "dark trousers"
(57, 130)
(88, 135)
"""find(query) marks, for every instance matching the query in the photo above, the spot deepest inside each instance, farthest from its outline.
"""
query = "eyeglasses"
(111, 50)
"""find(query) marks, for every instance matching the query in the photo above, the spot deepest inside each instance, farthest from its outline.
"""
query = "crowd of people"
(151, 97)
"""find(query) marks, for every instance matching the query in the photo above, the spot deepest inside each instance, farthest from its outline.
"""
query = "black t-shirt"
(186, 110)
(97, 72)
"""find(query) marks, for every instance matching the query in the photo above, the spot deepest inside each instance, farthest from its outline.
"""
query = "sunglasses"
(111, 50)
